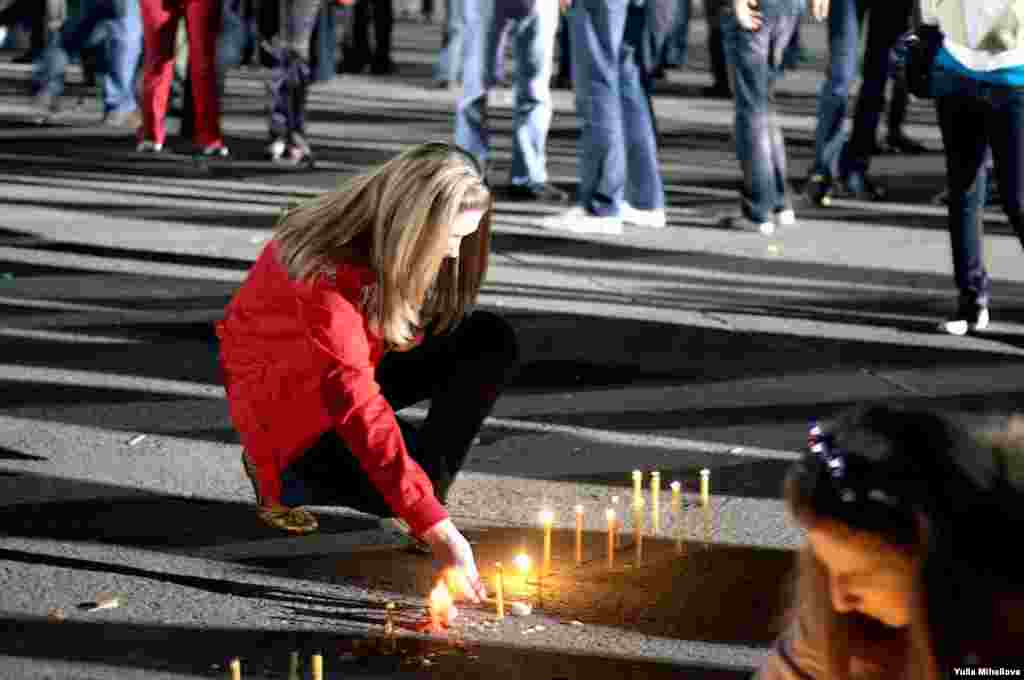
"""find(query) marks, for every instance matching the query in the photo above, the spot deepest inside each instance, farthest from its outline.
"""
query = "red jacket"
(299, 358)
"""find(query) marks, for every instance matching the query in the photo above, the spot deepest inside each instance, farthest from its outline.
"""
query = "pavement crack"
(895, 382)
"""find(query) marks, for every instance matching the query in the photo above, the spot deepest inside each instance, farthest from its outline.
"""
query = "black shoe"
(716, 91)
(384, 67)
(25, 58)
(858, 187)
(903, 144)
(537, 192)
(818, 191)
(970, 316)
(561, 82)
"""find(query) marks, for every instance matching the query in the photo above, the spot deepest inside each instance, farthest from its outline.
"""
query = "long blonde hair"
(396, 219)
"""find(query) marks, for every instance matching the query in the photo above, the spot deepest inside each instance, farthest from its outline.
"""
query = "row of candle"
(316, 667)
(547, 518)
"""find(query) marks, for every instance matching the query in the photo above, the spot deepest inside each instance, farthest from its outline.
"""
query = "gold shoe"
(292, 520)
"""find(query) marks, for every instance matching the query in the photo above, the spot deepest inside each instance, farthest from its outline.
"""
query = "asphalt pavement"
(675, 350)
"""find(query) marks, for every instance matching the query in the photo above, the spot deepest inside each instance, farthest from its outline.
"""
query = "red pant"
(159, 27)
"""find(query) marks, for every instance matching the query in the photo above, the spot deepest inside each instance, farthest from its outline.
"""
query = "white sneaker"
(147, 146)
(638, 217)
(579, 221)
(785, 217)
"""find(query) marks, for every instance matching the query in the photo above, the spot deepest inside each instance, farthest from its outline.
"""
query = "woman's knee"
(492, 336)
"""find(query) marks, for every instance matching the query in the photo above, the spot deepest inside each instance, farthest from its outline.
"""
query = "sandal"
(292, 520)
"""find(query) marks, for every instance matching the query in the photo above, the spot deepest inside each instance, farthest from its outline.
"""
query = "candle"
(610, 516)
(317, 667)
(235, 667)
(389, 619)
(615, 506)
(677, 503)
(546, 519)
(705, 487)
(579, 535)
(442, 611)
(500, 589)
(522, 563)
(293, 666)
(655, 502)
(638, 492)
(638, 533)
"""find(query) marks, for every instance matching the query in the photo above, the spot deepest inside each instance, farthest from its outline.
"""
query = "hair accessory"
(849, 480)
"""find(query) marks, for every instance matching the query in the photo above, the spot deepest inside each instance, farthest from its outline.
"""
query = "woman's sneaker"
(970, 316)
(215, 150)
(148, 146)
(818, 191)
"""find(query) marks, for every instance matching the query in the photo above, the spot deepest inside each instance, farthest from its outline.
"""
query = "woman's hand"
(819, 9)
(455, 560)
(747, 14)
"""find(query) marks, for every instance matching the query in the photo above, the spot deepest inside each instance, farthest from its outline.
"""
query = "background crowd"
(154, 56)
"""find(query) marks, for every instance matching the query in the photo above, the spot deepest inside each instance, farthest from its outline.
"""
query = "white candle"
(579, 535)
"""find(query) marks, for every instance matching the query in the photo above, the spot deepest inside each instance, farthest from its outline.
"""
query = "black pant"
(461, 373)
(33, 12)
(359, 53)
(886, 22)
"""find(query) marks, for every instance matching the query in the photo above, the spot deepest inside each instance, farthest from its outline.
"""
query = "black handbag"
(922, 46)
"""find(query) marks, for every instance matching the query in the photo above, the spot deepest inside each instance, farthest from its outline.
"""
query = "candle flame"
(676, 486)
(546, 517)
(522, 561)
(442, 609)
(579, 509)
(610, 515)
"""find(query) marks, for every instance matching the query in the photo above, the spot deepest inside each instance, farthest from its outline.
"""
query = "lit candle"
(546, 519)
(615, 506)
(522, 561)
(677, 502)
(655, 502)
(442, 611)
(500, 589)
(638, 492)
(705, 487)
(610, 516)
(236, 669)
(579, 535)
(389, 619)
(638, 533)
(317, 667)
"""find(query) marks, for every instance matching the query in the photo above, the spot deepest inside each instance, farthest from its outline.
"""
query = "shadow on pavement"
(205, 652)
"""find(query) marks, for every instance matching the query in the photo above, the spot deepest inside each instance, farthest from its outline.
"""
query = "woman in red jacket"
(390, 261)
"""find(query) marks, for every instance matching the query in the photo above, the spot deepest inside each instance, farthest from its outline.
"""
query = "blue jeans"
(618, 147)
(449, 61)
(974, 117)
(674, 52)
(755, 63)
(125, 50)
(533, 37)
(833, 99)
